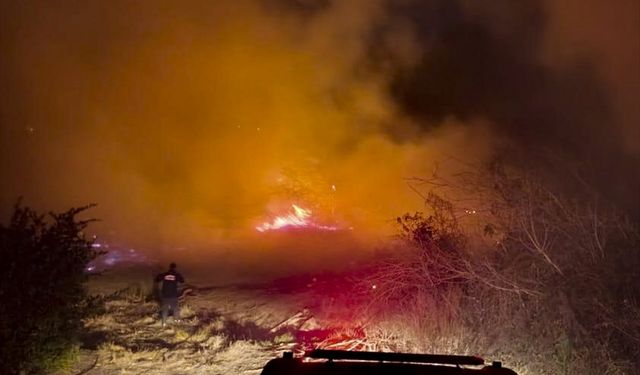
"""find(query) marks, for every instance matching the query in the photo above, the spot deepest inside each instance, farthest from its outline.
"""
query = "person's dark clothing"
(169, 293)
(170, 303)
(170, 280)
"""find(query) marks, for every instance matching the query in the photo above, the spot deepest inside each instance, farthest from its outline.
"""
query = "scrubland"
(545, 281)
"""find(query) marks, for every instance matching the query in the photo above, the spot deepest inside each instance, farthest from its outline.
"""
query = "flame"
(299, 218)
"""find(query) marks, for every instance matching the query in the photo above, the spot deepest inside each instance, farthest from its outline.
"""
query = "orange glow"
(201, 119)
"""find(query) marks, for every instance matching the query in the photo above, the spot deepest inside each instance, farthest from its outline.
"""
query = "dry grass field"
(237, 329)
(224, 329)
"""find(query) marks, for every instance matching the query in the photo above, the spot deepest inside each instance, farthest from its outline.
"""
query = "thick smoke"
(190, 122)
(538, 79)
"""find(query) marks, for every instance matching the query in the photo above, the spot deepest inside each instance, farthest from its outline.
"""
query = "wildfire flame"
(298, 218)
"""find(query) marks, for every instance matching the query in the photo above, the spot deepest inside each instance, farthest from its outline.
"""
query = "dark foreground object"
(355, 363)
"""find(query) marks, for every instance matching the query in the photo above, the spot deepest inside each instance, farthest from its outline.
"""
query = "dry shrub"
(427, 267)
(540, 276)
(42, 286)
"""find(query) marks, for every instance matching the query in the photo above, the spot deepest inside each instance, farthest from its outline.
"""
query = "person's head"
(172, 266)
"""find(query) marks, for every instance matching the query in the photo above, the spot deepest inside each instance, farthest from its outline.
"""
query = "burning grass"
(298, 218)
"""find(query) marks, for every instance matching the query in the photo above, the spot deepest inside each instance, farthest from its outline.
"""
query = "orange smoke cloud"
(190, 123)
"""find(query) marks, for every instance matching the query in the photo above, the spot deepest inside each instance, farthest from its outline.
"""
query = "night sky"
(188, 122)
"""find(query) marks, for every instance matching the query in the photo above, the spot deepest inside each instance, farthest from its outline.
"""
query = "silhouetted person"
(169, 292)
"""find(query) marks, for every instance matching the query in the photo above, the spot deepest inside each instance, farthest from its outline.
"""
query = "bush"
(42, 296)
(428, 262)
(532, 272)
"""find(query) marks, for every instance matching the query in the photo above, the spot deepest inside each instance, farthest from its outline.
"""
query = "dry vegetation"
(222, 331)
(541, 278)
(516, 272)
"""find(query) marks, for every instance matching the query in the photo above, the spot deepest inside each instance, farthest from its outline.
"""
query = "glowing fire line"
(299, 218)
